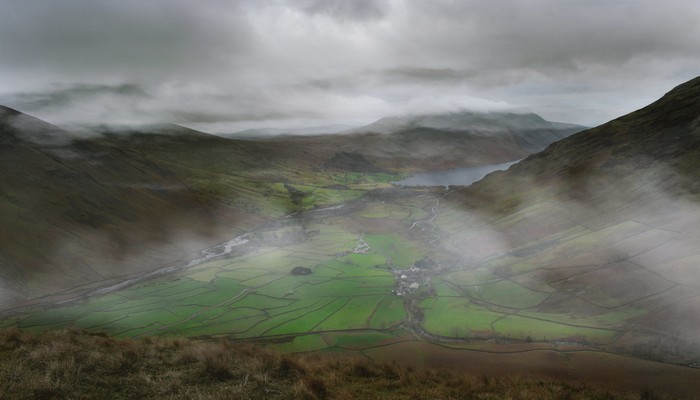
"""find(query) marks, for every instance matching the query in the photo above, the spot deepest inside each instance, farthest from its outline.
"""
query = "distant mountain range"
(442, 141)
(492, 123)
(484, 123)
(275, 132)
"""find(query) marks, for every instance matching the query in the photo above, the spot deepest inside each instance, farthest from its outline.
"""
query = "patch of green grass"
(356, 265)
(209, 270)
(104, 320)
(353, 315)
(428, 303)
(214, 297)
(287, 285)
(116, 322)
(308, 321)
(303, 343)
(295, 311)
(359, 340)
(389, 312)
(402, 252)
(321, 197)
(477, 276)
(457, 317)
(259, 301)
(242, 274)
(368, 260)
(507, 294)
(238, 326)
(344, 288)
(47, 318)
(443, 289)
(375, 282)
(271, 259)
(140, 305)
(164, 288)
(517, 327)
(210, 314)
(611, 319)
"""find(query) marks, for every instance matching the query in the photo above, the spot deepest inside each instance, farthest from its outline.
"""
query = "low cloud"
(237, 63)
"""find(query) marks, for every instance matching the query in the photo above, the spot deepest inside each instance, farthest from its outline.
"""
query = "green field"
(457, 317)
(251, 295)
(403, 253)
(354, 244)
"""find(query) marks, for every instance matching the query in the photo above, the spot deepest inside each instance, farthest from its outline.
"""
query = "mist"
(223, 67)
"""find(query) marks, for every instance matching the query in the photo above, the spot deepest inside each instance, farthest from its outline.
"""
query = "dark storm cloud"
(342, 61)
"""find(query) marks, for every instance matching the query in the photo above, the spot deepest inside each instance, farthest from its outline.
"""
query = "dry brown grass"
(74, 364)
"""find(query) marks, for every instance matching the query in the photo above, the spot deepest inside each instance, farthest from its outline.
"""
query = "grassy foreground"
(78, 365)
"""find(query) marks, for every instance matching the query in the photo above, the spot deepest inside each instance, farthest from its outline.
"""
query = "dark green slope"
(76, 211)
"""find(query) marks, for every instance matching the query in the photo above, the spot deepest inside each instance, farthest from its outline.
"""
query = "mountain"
(444, 141)
(257, 133)
(16, 127)
(484, 123)
(608, 220)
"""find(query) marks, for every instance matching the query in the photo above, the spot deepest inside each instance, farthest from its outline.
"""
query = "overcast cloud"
(227, 65)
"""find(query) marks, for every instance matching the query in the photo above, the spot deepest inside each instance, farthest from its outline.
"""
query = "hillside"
(606, 221)
(74, 364)
(81, 210)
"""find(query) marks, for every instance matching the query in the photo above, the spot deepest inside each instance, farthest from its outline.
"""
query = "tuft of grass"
(77, 364)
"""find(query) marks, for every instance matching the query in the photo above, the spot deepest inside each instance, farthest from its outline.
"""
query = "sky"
(223, 66)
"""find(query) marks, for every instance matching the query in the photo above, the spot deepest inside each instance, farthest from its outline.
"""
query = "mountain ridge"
(484, 123)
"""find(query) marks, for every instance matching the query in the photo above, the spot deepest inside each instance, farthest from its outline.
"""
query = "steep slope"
(610, 218)
(80, 211)
(75, 212)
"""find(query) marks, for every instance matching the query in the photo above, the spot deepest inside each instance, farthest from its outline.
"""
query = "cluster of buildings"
(409, 280)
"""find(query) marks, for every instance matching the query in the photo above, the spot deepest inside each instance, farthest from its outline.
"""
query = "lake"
(458, 176)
